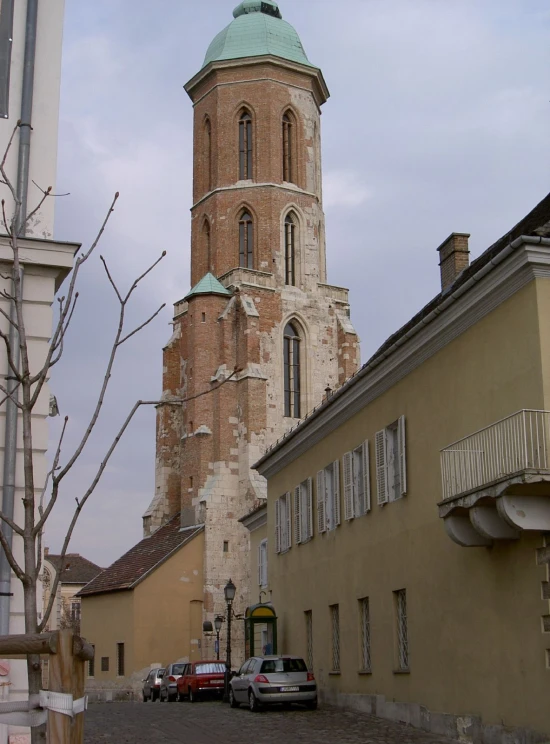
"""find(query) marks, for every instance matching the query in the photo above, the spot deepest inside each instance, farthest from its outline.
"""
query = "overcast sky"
(438, 121)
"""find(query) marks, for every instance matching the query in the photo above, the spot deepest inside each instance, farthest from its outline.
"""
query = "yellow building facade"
(412, 575)
(146, 609)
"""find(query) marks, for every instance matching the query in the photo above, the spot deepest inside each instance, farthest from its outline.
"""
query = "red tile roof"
(143, 558)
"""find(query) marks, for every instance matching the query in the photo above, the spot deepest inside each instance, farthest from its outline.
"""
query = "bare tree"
(23, 386)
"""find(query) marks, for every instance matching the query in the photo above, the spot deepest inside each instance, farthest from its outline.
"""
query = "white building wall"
(45, 265)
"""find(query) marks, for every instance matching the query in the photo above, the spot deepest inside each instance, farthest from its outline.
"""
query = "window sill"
(401, 671)
(365, 672)
(334, 674)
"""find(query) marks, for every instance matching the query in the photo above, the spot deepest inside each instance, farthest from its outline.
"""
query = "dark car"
(151, 685)
(168, 689)
(201, 679)
(273, 679)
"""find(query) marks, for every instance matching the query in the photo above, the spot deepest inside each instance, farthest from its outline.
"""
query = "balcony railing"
(516, 443)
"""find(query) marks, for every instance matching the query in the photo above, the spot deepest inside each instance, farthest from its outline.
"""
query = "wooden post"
(61, 680)
(80, 656)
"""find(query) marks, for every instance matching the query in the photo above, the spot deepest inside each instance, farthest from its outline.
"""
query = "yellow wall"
(168, 608)
(107, 619)
(474, 614)
(160, 621)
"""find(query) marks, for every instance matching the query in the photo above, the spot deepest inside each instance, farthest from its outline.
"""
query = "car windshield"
(177, 668)
(210, 668)
(271, 666)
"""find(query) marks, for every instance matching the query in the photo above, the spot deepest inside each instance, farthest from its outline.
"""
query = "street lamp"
(229, 591)
(218, 621)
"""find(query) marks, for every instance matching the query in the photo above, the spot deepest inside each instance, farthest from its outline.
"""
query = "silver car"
(266, 680)
(151, 685)
(168, 684)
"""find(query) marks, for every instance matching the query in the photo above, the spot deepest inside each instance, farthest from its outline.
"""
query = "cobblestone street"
(212, 722)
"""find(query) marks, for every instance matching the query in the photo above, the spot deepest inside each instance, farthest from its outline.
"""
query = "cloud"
(342, 188)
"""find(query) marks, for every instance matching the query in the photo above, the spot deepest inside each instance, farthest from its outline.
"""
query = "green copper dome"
(257, 29)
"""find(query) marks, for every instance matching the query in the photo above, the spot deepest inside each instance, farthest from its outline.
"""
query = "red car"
(201, 678)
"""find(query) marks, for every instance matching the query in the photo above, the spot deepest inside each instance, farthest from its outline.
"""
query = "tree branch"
(17, 570)
(122, 340)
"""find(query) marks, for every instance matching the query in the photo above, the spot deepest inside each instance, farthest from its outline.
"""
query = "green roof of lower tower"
(208, 285)
(257, 29)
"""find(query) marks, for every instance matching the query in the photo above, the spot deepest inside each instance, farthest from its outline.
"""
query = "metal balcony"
(496, 482)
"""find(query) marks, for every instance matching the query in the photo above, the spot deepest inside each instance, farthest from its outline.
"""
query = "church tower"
(260, 317)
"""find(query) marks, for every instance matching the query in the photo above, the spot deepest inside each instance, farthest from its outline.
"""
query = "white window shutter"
(321, 512)
(336, 491)
(297, 516)
(402, 454)
(309, 483)
(288, 533)
(264, 577)
(278, 526)
(381, 467)
(349, 511)
(366, 475)
(260, 563)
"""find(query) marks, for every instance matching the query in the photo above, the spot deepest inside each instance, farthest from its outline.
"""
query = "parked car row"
(261, 681)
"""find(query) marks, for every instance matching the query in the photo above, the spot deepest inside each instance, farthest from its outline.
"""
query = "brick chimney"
(454, 257)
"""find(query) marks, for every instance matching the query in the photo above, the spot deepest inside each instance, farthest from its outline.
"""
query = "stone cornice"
(321, 91)
(518, 264)
(245, 185)
(41, 254)
(256, 518)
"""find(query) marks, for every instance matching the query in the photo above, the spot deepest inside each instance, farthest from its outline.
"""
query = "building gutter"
(262, 465)
(22, 188)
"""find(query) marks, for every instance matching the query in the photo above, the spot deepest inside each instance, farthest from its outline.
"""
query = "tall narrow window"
(91, 664)
(309, 639)
(246, 241)
(290, 252)
(287, 149)
(245, 146)
(364, 613)
(335, 628)
(292, 371)
(207, 244)
(120, 659)
(208, 153)
(400, 600)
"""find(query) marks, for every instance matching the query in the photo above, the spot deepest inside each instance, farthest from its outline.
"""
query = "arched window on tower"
(246, 241)
(207, 244)
(288, 165)
(245, 146)
(291, 354)
(290, 249)
(208, 153)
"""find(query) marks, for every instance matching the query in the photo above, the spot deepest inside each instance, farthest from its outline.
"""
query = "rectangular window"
(335, 636)
(400, 603)
(309, 639)
(391, 462)
(120, 659)
(6, 41)
(356, 482)
(303, 512)
(364, 616)
(225, 546)
(328, 497)
(75, 611)
(262, 563)
(282, 524)
(91, 664)
(104, 663)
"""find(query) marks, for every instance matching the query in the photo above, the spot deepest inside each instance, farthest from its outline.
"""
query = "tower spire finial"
(269, 7)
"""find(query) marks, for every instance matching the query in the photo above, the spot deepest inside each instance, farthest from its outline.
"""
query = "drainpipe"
(10, 446)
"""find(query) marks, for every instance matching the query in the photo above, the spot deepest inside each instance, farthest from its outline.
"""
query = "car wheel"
(179, 697)
(154, 696)
(160, 697)
(232, 702)
(145, 698)
(253, 703)
(192, 696)
(311, 704)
